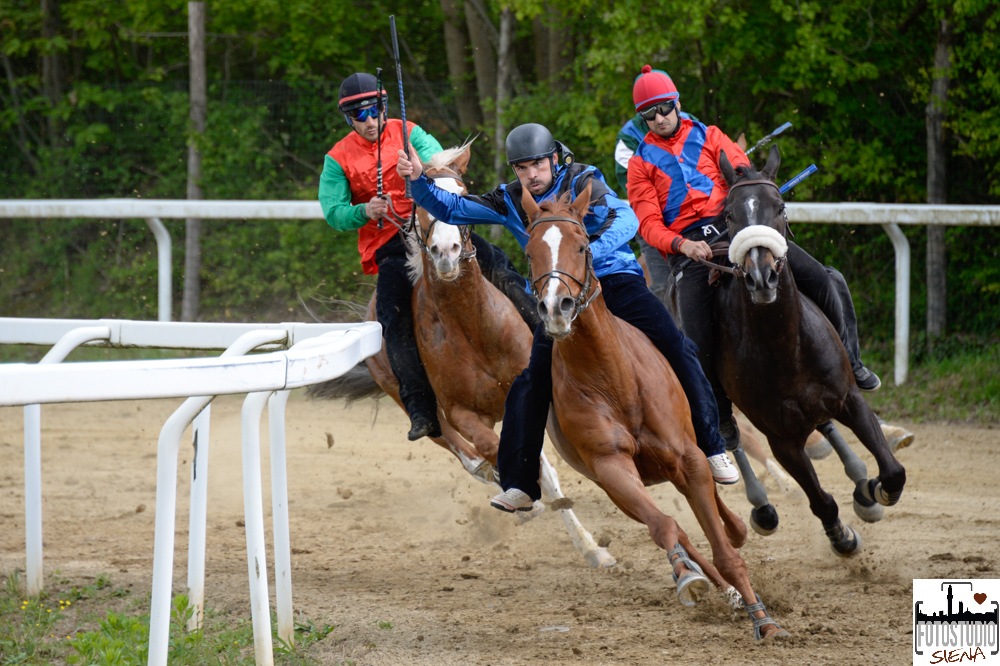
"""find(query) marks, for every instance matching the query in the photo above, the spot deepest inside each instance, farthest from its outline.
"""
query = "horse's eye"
(583, 249)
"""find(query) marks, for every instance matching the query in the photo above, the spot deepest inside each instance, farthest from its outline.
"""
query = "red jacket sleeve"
(645, 201)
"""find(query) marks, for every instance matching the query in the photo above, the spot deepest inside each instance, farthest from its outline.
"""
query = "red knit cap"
(652, 87)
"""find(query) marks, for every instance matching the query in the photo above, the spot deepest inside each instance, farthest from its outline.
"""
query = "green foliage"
(852, 76)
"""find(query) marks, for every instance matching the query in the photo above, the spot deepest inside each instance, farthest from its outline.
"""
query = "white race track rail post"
(33, 459)
(168, 449)
(198, 517)
(279, 517)
(253, 516)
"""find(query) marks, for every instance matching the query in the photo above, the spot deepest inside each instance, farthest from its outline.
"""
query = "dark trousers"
(696, 303)
(528, 400)
(394, 310)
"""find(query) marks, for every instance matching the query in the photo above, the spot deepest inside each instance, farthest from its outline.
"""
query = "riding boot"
(394, 310)
(500, 272)
(865, 378)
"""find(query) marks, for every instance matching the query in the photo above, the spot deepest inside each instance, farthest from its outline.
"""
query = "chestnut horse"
(473, 343)
(626, 421)
(783, 364)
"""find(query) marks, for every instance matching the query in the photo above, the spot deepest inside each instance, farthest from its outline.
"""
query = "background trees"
(94, 103)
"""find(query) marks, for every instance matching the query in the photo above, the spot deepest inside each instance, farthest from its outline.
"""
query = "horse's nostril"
(542, 309)
(455, 248)
(566, 305)
(772, 278)
(751, 283)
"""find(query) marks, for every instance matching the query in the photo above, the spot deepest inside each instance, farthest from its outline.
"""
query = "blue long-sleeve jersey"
(610, 222)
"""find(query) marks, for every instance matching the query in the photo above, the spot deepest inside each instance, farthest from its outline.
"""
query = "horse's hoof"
(843, 540)
(525, 516)
(599, 558)
(691, 587)
(866, 509)
(764, 520)
(897, 438)
(819, 450)
(733, 598)
(873, 490)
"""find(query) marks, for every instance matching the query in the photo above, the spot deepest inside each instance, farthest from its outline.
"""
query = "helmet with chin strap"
(532, 141)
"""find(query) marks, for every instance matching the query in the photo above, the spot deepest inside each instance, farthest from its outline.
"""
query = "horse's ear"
(461, 162)
(726, 168)
(773, 162)
(530, 207)
(742, 142)
(582, 202)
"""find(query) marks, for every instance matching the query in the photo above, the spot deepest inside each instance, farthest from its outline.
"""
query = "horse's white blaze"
(553, 236)
(752, 205)
(446, 238)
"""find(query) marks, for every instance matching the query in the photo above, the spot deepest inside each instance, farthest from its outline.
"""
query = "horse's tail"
(355, 384)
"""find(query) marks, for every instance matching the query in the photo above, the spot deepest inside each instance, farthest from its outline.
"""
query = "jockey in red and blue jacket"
(678, 193)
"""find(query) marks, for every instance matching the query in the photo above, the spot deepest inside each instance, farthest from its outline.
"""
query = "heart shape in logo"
(979, 597)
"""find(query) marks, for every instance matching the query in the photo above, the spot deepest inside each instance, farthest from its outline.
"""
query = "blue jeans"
(527, 404)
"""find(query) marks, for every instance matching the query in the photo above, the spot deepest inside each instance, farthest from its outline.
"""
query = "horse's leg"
(817, 446)
(471, 460)
(888, 486)
(736, 529)
(866, 509)
(751, 444)
(763, 516)
(792, 457)
(595, 556)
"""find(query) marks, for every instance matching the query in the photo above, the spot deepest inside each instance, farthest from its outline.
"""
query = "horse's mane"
(448, 155)
(747, 173)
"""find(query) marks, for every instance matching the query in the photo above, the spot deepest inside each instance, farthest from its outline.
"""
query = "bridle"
(463, 231)
(720, 249)
(581, 302)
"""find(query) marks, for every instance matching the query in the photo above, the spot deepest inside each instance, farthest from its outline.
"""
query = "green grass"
(959, 381)
(74, 625)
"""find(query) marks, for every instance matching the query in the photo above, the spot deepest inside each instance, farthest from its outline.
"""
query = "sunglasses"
(361, 115)
(663, 108)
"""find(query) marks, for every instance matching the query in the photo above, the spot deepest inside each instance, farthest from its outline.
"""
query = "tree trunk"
(51, 78)
(560, 51)
(484, 58)
(937, 292)
(192, 250)
(504, 59)
(540, 33)
(456, 44)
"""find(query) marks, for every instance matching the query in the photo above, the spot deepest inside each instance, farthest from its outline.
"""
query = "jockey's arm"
(335, 199)
(455, 208)
(616, 221)
(425, 144)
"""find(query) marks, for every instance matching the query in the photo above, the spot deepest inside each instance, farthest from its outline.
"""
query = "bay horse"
(625, 420)
(783, 365)
(473, 343)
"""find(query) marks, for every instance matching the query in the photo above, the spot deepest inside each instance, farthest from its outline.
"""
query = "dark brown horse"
(782, 363)
(473, 343)
(625, 419)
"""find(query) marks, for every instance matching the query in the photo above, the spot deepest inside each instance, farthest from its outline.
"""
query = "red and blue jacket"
(675, 184)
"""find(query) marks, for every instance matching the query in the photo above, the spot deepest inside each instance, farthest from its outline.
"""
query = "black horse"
(783, 365)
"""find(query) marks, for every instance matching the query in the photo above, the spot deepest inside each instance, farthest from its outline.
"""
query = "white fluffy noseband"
(756, 235)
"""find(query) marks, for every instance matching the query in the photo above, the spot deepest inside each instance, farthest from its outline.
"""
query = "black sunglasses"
(663, 108)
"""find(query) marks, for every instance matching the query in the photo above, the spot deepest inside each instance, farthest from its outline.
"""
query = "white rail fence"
(312, 353)
(890, 216)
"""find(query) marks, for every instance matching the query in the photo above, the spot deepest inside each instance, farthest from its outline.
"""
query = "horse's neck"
(594, 347)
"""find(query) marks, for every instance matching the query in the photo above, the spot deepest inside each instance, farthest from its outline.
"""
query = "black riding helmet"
(359, 90)
(531, 142)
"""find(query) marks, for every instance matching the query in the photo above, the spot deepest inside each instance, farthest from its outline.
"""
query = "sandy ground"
(387, 531)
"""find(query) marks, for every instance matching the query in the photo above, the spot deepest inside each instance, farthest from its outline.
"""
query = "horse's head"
(755, 215)
(558, 253)
(445, 244)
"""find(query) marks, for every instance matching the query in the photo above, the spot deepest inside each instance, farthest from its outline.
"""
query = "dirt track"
(388, 531)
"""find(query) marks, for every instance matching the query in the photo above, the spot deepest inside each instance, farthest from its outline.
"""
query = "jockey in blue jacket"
(533, 154)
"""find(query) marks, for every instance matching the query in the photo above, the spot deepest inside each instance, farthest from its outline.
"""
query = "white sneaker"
(723, 471)
(512, 500)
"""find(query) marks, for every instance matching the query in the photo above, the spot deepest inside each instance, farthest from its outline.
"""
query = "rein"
(463, 230)
(581, 302)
